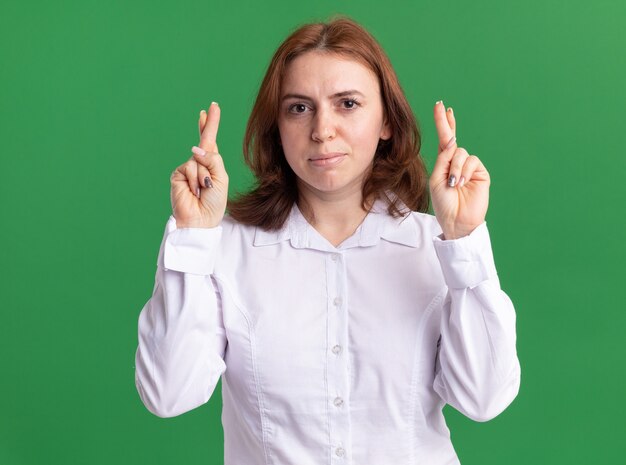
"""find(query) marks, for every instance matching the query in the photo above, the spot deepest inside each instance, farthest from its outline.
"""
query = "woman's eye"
(298, 108)
(350, 103)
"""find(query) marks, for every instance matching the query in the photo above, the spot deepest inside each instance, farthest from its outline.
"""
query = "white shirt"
(329, 355)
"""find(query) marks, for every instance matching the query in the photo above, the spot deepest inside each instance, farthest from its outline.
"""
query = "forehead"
(320, 72)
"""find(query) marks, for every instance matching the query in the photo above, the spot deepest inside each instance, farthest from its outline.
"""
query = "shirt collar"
(378, 224)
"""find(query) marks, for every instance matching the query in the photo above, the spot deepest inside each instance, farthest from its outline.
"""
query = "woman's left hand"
(459, 183)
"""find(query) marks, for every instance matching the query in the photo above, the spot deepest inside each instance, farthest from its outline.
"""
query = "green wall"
(99, 103)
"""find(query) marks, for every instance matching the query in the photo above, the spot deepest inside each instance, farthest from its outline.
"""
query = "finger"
(204, 178)
(444, 131)
(212, 161)
(208, 137)
(442, 164)
(201, 122)
(456, 166)
(190, 170)
(451, 120)
(183, 175)
(471, 168)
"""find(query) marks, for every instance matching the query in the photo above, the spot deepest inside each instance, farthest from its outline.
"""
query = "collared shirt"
(329, 355)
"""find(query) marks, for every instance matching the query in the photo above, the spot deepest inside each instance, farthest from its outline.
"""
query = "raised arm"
(182, 341)
(478, 370)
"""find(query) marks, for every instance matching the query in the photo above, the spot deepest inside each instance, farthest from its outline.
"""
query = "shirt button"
(340, 451)
(337, 301)
(334, 257)
(338, 402)
(336, 349)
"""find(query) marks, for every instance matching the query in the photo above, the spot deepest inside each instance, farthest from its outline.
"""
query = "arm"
(478, 372)
(182, 341)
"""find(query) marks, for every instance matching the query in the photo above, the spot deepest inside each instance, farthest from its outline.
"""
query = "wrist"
(450, 237)
(195, 224)
(453, 234)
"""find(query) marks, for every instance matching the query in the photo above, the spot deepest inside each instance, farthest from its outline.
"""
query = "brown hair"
(397, 167)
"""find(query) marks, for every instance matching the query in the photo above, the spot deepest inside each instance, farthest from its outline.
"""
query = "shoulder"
(235, 245)
(426, 222)
(229, 223)
(244, 236)
(411, 227)
(232, 229)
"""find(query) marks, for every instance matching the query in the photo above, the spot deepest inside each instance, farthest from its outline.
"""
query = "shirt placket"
(338, 361)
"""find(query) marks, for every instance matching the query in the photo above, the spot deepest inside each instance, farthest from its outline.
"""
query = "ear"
(385, 131)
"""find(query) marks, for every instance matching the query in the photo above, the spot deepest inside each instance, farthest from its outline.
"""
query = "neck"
(336, 216)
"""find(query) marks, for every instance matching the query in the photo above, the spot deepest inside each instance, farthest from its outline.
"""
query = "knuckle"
(191, 167)
(217, 160)
(457, 164)
(178, 172)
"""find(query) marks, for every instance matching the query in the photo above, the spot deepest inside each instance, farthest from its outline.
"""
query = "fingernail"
(461, 181)
(198, 151)
(198, 192)
(451, 180)
(450, 109)
(438, 102)
(207, 182)
(450, 142)
(215, 103)
(202, 111)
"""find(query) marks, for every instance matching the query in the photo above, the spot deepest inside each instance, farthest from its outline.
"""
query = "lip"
(327, 159)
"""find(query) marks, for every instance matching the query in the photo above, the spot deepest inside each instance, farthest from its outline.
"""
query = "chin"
(328, 186)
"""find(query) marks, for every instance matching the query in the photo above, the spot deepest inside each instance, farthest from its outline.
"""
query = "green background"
(99, 103)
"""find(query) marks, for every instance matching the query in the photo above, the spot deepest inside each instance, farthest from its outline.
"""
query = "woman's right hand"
(195, 205)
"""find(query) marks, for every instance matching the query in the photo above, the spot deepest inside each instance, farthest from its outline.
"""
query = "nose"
(323, 126)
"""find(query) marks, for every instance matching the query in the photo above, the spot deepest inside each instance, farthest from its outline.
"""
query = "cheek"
(292, 136)
(366, 134)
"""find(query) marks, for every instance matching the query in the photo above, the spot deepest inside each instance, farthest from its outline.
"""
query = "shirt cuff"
(466, 261)
(190, 250)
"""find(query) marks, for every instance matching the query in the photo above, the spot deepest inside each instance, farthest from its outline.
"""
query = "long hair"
(397, 166)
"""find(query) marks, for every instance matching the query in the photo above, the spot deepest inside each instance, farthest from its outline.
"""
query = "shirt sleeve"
(182, 341)
(478, 371)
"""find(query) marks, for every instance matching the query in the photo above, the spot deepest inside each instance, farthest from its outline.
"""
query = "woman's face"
(330, 121)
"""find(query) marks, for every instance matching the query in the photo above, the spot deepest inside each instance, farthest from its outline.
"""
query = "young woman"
(339, 314)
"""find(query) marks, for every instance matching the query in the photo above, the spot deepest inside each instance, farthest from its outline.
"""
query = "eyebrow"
(338, 94)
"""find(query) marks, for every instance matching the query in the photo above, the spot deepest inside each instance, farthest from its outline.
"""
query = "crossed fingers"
(453, 162)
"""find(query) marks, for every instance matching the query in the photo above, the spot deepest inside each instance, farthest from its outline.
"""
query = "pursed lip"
(326, 156)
